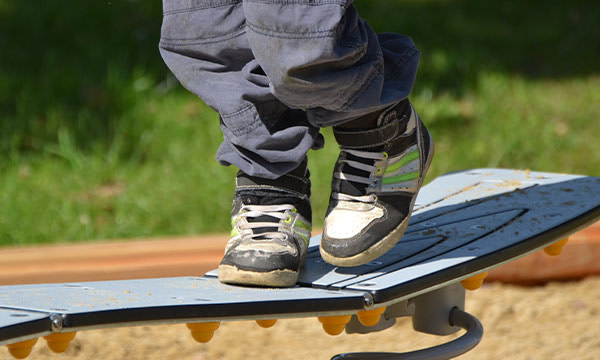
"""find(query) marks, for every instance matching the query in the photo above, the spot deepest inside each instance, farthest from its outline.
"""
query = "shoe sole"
(387, 243)
(278, 278)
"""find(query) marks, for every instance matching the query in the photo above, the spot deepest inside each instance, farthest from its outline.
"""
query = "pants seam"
(237, 32)
(343, 3)
(245, 130)
(291, 35)
(211, 5)
(233, 114)
(242, 130)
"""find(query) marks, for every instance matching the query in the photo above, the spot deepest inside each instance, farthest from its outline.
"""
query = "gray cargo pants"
(278, 70)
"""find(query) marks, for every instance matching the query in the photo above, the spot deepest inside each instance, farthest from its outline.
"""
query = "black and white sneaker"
(374, 187)
(271, 227)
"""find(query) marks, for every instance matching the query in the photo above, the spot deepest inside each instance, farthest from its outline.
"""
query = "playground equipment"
(464, 224)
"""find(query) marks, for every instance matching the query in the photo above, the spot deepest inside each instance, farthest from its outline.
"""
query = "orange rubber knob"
(59, 342)
(556, 248)
(334, 325)
(474, 282)
(21, 349)
(203, 332)
(266, 323)
(370, 317)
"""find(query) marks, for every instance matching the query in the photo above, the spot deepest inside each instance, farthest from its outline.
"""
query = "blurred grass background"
(98, 140)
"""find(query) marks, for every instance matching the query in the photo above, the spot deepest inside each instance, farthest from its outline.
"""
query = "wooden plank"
(111, 261)
(137, 259)
(580, 258)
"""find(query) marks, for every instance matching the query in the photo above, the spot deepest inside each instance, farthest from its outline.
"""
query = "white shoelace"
(357, 178)
(275, 211)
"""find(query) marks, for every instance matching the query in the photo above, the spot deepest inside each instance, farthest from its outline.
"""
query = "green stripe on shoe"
(302, 225)
(400, 178)
(413, 155)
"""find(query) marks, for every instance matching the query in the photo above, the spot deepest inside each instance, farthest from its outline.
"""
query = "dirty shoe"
(374, 187)
(271, 226)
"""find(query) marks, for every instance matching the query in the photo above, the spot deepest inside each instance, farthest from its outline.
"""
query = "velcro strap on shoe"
(287, 182)
(367, 138)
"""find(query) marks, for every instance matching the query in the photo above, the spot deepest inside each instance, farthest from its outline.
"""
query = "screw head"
(369, 302)
(56, 322)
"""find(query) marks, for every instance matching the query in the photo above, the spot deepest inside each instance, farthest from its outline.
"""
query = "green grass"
(97, 141)
(510, 122)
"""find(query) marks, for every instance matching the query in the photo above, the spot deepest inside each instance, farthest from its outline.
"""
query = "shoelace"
(274, 211)
(377, 156)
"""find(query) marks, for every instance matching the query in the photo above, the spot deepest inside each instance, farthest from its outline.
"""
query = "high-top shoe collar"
(391, 123)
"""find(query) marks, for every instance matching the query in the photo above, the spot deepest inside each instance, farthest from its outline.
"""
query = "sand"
(555, 321)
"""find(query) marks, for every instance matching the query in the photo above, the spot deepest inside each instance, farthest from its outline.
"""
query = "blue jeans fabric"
(278, 70)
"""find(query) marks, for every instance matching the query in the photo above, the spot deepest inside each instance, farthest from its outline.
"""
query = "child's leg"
(320, 55)
(204, 44)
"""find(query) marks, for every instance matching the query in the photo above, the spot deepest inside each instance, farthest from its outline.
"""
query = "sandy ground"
(555, 321)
